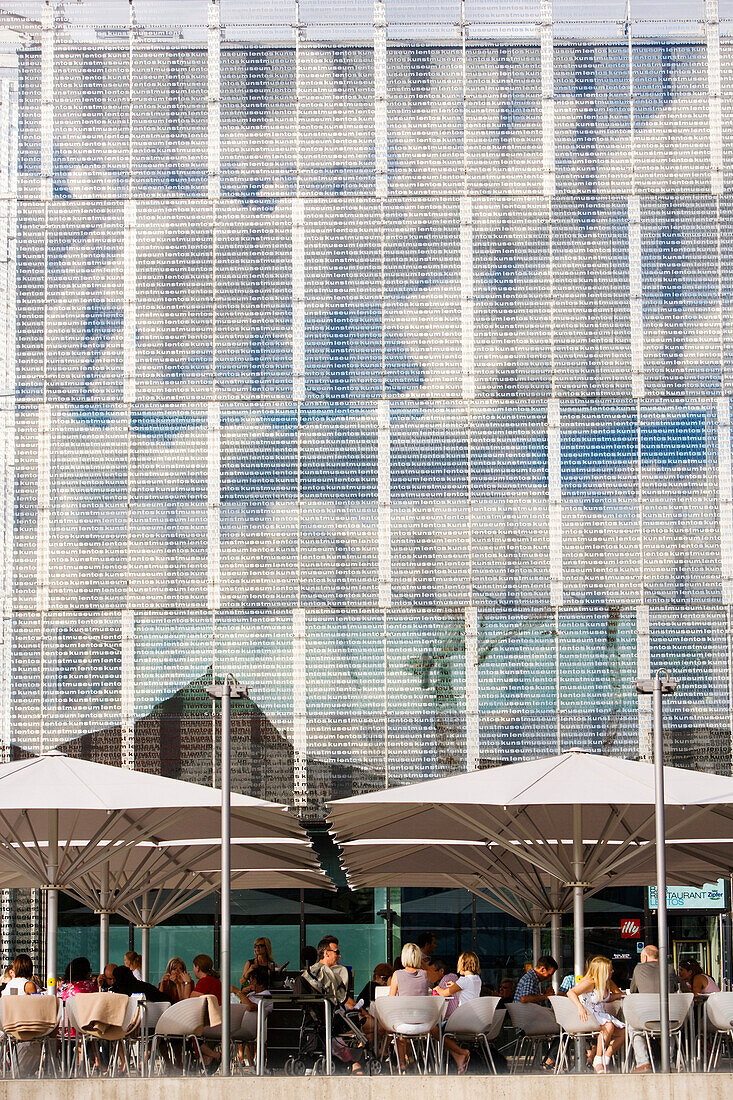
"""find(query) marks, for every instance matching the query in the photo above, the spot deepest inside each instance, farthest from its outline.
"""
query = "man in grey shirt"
(645, 979)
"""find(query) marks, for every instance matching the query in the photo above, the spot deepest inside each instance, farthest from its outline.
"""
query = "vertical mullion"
(127, 748)
(380, 100)
(725, 499)
(300, 731)
(712, 40)
(213, 494)
(472, 708)
(47, 100)
(636, 311)
(547, 72)
(384, 504)
(213, 112)
(643, 672)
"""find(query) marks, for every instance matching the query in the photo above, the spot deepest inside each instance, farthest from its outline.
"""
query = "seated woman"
(21, 980)
(693, 979)
(262, 957)
(207, 984)
(592, 995)
(77, 979)
(466, 988)
(176, 984)
(411, 980)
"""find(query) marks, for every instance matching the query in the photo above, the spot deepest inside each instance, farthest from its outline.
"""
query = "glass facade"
(379, 353)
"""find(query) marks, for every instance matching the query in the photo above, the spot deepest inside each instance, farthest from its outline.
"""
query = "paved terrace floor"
(686, 1086)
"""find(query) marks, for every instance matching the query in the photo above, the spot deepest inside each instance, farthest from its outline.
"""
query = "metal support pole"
(536, 938)
(226, 840)
(389, 928)
(104, 919)
(226, 691)
(145, 936)
(52, 899)
(662, 931)
(578, 916)
(556, 939)
(302, 926)
(474, 930)
(260, 1048)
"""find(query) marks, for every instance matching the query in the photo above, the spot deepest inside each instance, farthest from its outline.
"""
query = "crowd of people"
(417, 971)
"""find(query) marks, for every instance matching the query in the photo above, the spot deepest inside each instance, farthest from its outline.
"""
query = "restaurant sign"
(709, 896)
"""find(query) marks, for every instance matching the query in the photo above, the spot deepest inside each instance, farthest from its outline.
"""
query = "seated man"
(529, 992)
(645, 979)
(259, 981)
(329, 977)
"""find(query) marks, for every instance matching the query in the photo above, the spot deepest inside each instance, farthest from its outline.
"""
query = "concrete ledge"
(686, 1086)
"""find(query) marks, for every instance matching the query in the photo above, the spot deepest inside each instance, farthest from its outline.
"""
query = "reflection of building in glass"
(384, 364)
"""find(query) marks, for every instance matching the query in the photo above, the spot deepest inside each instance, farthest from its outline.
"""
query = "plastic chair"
(719, 1009)
(641, 1012)
(409, 1018)
(471, 1023)
(85, 1005)
(183, 1021)
(571, 1026)
(537, 1024)
(150, 1013)
(30, 1022)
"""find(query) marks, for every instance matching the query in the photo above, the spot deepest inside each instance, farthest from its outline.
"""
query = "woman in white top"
(594, 996)
(467, 988)
(21, 980)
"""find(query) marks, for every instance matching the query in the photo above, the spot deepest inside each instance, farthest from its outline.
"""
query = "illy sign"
(630, 928)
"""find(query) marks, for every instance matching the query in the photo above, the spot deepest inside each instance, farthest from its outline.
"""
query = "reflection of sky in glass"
(385, 315)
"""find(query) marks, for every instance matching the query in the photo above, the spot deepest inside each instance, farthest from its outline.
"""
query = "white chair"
(719, 1009)
(409, 1018)
(95, 1008)
(150, 1013)
(571, 1027)
(537, 1025)
(641, 1013)
(472, 1022)
(27, 1020)
(183, 1021)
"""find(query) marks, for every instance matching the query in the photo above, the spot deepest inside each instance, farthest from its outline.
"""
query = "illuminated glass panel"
(84, 321)
(168, 520)
(422, 309)
(512, 334)
(88, 494)
(680, 504)
(598, 703)
(425, 119)
(258, 515)
(339, 505)
(591, 286)
(174, 300)
(680, 290)
(509, 503)
(253, 301)
(517, 685)
(343, 319)
(600, 515)
(671, 131)
(425, 696)
(429, 456)
(257, 123)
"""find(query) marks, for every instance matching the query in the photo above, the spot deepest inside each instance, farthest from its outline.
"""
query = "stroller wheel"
(298, 1068)
(373, 1066)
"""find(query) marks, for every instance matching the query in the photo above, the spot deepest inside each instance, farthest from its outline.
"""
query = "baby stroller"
(348, 1041)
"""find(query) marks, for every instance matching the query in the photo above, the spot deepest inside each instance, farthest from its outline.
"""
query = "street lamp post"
(656, 688)
(227, 691)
